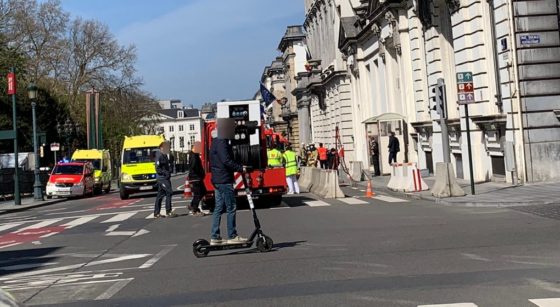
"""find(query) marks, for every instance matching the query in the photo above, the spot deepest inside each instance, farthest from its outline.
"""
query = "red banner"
(11, 83)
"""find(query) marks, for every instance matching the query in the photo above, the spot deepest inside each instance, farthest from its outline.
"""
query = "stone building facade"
(375, 64)
(323, 91)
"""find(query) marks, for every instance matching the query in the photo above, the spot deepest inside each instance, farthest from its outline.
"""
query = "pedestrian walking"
(223, 168)
(394, 148)
(163, 176)
(290, 163)
(374, 151)
(323, 156)
(196, 175)
(274, 156)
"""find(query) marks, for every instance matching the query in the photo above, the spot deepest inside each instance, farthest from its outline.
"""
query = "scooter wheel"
(198, 249)
(264, 244)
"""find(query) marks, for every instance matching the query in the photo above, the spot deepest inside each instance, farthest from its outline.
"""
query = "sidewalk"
(487, 194)
(26, 203)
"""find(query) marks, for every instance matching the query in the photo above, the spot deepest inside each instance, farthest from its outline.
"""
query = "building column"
(304, 119)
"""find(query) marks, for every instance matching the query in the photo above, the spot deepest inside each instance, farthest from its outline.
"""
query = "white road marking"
(79, 221)
(120, 217)
(120, 233)
(451, 305)
(390, 199)
(546, 302)
(157, 257)
(353, 201)
(114, 289)
(276, 208)
(475, 257)
(10, 225)
(140, 232)
(316, 203)
(75, 266)
(40, 224)
(362, 190)
(112, 228)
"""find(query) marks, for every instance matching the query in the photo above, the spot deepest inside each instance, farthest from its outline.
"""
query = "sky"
(197, 50)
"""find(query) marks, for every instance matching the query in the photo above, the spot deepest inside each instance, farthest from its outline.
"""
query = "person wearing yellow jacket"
(291, 165)
(274, 157)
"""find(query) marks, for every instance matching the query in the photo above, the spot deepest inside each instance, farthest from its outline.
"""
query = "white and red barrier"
(406, 177)
(238, 181)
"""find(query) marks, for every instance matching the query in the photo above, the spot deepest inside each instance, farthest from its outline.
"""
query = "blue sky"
(197, 50)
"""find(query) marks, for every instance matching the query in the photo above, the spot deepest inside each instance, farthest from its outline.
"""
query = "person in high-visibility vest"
(323, 156)
(291, 165)
(274, 157)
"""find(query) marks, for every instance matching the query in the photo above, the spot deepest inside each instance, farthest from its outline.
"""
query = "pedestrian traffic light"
(439, 99)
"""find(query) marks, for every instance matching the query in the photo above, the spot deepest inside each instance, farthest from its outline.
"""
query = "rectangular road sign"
(11, 83)
(465, 87)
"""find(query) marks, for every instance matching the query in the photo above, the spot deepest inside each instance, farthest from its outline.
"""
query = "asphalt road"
(384, 251)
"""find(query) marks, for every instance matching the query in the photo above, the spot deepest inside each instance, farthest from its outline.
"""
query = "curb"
(42, 204)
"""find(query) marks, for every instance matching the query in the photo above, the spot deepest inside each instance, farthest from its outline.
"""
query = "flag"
(267, 96)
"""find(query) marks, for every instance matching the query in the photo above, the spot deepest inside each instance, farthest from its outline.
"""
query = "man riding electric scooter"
(223, 168)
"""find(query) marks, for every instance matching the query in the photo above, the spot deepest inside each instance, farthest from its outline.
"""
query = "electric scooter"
(202, 247)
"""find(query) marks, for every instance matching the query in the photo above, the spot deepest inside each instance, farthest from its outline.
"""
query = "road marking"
(114, 289)
(75, 266)
(390, 199)
(157, 257)
(79, 221)
(353, 201)
(120, 217)
(546, 302)
(451, 305)
(112, 228)
(10, 225)
(276, 208)
(362, 190)
(475, 257)
(316, 203)
(40, 224)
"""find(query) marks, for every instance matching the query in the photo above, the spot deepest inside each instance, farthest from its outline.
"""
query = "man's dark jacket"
(394, 144)
(163, 168)
(221, 162)
(195, 168)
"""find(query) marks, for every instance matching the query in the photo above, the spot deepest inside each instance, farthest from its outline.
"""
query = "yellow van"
(138, 168)
(101, 160)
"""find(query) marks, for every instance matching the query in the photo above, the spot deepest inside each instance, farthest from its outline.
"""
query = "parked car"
(71, 179)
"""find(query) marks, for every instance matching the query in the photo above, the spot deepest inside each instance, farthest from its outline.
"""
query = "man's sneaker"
(216, 241)
(157, 216)
(171, 214)
(198, 213)
(237, 240)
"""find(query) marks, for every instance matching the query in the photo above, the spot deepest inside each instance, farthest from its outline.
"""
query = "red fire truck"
(249, 149)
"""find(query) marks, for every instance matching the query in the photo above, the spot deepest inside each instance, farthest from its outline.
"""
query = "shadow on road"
(25, 259)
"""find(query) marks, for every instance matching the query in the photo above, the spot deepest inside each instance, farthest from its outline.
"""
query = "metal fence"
(26, 180)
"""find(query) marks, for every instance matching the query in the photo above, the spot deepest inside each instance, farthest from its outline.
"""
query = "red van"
(71, 179)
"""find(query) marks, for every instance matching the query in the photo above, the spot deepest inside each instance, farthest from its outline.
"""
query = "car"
(71, 179)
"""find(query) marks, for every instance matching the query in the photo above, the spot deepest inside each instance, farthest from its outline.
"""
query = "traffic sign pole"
(469, 148)
(12, 91)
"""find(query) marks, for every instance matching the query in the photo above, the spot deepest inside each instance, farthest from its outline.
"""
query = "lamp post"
(37, 188)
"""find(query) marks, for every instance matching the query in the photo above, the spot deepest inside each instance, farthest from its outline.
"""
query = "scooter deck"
(223, 246)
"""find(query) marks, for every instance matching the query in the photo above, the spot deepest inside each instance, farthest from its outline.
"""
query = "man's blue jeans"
(224, 199)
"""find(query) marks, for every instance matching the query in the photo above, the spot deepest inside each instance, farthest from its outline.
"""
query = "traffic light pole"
(441, 109)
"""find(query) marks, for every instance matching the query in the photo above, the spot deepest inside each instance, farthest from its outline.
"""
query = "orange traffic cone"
(369, 191)
(187, 193)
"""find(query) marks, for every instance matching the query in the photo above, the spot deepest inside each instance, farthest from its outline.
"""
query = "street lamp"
(37, 188)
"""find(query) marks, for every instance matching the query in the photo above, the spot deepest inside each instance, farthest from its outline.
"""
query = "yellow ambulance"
(138, 168)
(101, 161)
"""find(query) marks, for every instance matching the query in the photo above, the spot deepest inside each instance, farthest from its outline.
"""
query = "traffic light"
(439, 99)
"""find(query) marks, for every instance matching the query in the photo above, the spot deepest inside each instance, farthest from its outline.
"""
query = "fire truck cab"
(249, 149)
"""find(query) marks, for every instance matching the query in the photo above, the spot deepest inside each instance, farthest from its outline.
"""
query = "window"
(192, 139)
(181, 128)
(171, 129)
(181, 141)
(191, 128)
(180, 114)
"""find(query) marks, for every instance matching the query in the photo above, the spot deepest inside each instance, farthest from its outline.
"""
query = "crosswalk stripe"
(316, 203)
(119, 217)
(546, 302)
(352, 201)
(40, 224)
(451, 305)
(10, 225)
(80, 221)
(390, 199)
